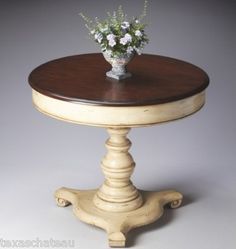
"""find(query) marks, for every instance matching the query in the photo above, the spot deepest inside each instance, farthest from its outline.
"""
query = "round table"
(76, 89)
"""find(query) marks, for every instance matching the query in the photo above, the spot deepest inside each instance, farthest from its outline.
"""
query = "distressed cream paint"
(117, 206)
(109, 116)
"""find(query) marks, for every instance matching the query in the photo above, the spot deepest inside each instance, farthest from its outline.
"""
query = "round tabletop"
(76, 89)
(82, 78)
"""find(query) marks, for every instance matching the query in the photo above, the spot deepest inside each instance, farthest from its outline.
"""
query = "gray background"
(195, 155)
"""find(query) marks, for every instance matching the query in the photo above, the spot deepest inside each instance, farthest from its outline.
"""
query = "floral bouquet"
(119, 38)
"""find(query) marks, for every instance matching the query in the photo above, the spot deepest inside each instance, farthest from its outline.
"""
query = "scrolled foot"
(116, 239)
(175, 203)
(62, 202)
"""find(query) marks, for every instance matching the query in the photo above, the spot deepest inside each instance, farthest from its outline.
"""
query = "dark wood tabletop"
(82, 78)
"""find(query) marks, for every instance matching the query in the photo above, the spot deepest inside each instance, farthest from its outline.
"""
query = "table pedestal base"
(117, 206)
(117, 224)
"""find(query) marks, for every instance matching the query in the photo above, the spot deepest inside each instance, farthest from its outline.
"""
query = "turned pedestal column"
(118, 194)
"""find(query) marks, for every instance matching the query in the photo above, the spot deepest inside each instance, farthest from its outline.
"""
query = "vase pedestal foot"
(111, 74)
(117, 224)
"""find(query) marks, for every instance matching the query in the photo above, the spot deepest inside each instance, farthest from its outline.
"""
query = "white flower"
(111, 39)
(123, 41)
(126, 39)
(125, 25)
(136, 21)
(129, 50)
(112, 43)
(92, 32)
(138, 33)
(98, 37)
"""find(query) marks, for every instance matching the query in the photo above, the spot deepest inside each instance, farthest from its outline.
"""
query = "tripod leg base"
(118, 224)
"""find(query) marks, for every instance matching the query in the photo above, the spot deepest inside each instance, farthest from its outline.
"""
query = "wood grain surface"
(155, 80)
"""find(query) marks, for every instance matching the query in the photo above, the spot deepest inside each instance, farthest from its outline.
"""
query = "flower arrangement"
(117, 35)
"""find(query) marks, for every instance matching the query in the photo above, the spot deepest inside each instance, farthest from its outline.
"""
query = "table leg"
(117, 193)
(117, 206)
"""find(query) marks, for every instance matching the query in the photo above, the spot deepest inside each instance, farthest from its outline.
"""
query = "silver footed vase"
(118, 64)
